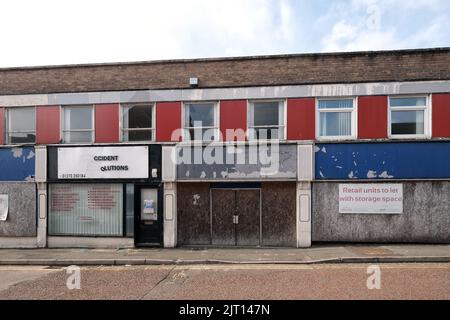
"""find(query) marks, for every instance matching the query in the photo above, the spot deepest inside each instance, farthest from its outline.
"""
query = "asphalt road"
(338, 281)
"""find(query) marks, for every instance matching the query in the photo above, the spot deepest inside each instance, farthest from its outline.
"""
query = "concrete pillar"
(41, 180)
(170, 196)
(170, 215)
(303, 214)
(305, 176)
(42, 215)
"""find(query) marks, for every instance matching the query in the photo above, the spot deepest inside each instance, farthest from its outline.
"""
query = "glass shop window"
(266, 120)
(138, 122)
(21, 125)
(78, 124)
(408, 116)
(86, 209)
(200, 122)
(336, 118)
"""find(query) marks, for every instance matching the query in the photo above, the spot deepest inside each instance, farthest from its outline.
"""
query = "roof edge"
(237, 58)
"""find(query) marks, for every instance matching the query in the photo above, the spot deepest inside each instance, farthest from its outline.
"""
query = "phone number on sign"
(72, 176)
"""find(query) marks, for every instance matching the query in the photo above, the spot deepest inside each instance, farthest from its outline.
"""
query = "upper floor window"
(200, 122)
(21, 125)
(336, 118)
(408, 116)
(138, 122)
(266, 120)
(78, 124)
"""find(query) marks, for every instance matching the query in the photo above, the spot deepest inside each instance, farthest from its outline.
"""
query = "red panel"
(441, 115)
(372, 117)
(48, 124)
(106, 123)
(233, 116)
(301, 119)
(168, 120)
(2, 125)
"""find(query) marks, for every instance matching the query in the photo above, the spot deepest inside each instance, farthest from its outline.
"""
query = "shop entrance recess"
(236, 215)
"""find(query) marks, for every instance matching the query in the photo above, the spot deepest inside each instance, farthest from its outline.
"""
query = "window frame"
(122, 124)
(216, 120)
(7, 126)
(64, 130)
(353, 118)
(282, 103)
(426, 117)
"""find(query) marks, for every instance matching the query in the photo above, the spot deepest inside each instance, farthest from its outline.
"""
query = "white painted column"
(41, 180)
(305, 158)
(170, 196)
(303, 214)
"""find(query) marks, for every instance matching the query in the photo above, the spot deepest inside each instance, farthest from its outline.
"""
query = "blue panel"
(17, 164)
(402, 160)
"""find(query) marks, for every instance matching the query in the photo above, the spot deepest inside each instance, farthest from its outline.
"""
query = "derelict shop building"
(277, 151)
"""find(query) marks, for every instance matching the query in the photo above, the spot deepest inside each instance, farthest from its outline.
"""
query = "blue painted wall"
(17, 164)
(402, 160)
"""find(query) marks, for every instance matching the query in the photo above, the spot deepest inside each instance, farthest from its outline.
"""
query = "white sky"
(49, 32)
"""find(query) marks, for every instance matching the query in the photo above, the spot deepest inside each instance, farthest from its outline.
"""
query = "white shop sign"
(103, 163)
(3, 207)
(371, 198)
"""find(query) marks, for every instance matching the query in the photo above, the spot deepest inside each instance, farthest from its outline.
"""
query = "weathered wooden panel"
(193, 207)
(248, 228)
(279, 214)
(223, 210)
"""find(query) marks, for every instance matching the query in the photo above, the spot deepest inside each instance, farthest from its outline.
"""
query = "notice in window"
(3, 207)
(371, 198)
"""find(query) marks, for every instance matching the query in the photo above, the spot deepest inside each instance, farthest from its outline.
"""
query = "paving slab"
(184, 256)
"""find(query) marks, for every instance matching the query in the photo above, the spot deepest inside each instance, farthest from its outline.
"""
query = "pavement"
(318, 254)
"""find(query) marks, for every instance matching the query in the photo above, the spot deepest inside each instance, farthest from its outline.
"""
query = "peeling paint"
(371, 174)
(17, 152)
(351, 175)
(17, 164)
(382, 160)
(385, 175)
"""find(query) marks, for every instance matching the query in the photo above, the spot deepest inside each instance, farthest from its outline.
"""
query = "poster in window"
(3, 207)
(149, 210)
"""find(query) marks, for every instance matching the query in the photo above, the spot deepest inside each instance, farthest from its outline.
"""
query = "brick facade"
(384, 66)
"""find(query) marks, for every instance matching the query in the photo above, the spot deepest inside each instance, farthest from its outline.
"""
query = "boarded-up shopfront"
(231, 204)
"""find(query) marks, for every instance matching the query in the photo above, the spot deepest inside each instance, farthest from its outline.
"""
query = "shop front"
(239, 196)
(18, 194)
(105, 196)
